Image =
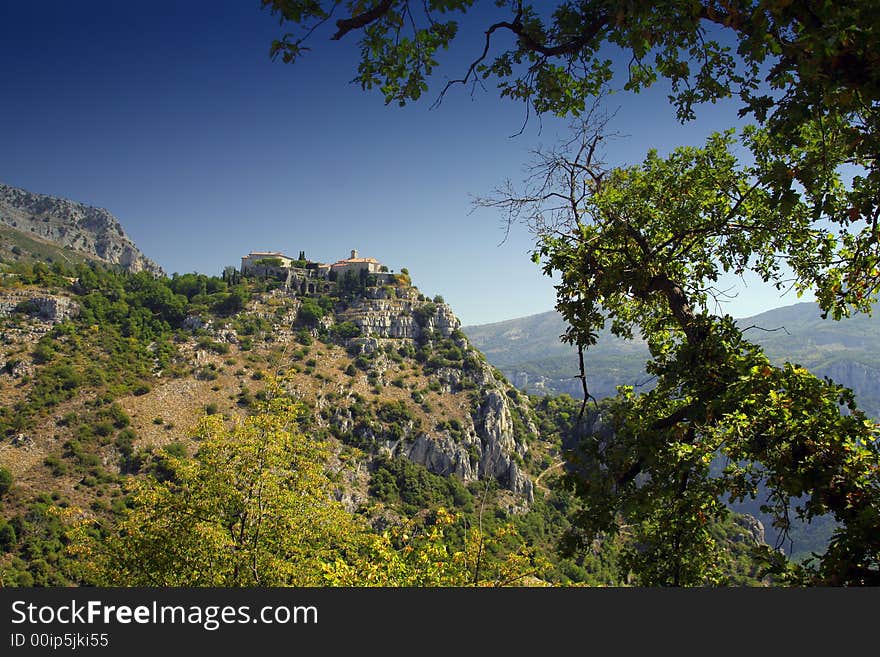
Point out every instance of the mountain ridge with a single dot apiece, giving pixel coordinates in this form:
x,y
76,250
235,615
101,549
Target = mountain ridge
x,y
83,229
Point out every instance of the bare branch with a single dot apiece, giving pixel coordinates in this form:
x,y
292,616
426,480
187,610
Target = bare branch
x,y
474,64
583,377
761,328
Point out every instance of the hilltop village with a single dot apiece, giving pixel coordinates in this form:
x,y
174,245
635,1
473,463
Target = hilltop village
x,y
309,277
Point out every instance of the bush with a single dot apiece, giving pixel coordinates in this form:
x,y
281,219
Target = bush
x,y
141,389
103,429
176,449
245,397
56,465
118,416
207,373
211,345
310,312
43,352
5,481
396,412
423,313
346,330
8,539
125,444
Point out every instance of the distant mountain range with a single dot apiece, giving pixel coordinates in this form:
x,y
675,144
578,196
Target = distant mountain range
x,y
529,352
46,228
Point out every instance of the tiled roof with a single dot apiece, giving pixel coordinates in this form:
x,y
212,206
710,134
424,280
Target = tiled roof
x,y
350,261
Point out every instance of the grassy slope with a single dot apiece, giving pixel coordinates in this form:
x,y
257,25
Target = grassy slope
x,y
17,246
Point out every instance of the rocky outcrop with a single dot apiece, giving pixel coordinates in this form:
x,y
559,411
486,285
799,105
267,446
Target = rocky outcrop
x,y
95,232
494,426
442,455
487,442
49,308
400,318
55,309
488,449
753,527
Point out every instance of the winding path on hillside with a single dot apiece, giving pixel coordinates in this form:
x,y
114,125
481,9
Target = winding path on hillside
x,y
555,466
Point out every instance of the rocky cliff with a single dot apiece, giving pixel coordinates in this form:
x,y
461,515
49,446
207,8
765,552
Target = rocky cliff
x,y
488,439
94,232
400,313
862,379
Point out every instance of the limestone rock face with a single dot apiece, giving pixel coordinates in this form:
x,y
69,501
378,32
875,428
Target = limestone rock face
x,y
400,318
495,428
56,309
442,455
92,231
49,308
490,444
487,449
753,526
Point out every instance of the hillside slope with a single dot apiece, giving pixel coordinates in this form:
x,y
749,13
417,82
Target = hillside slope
x,y
104,375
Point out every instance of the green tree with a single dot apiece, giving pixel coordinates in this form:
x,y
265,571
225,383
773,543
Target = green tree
x,y
254,507
409,555
231,275
233,301
641,248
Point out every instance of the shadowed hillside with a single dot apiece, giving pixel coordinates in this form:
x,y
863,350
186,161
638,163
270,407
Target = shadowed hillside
x,y
529,352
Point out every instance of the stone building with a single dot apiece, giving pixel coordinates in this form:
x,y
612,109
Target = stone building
x,y
264,262
355,265
312,277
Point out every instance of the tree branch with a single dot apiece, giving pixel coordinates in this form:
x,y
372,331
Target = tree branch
x,y
571,47
346,25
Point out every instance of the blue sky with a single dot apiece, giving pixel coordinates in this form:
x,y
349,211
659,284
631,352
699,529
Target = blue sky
x,y
172,116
